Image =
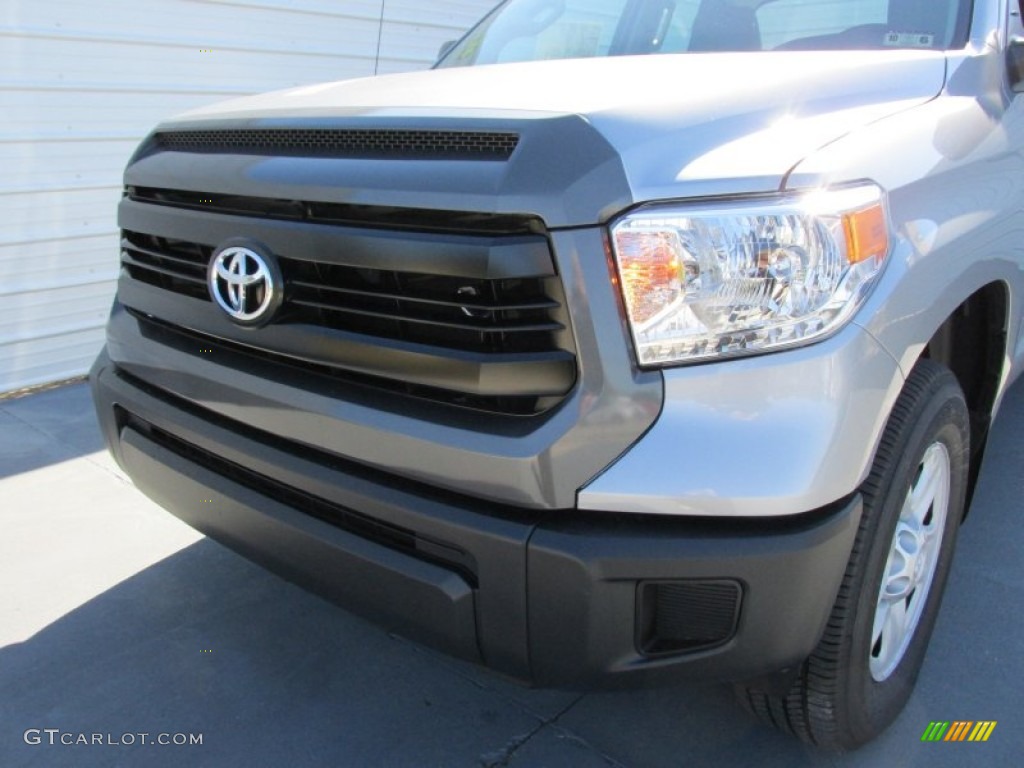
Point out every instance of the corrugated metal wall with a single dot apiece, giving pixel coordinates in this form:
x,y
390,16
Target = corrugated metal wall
x,y
81,82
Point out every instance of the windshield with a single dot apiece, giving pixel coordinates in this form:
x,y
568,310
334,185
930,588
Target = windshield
x,y
533,30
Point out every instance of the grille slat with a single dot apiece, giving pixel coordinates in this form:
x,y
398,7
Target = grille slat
x,y
128,261
535,328
158,258
134,251
524,397
341,142
546,304
364,216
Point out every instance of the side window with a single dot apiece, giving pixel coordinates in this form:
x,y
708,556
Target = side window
x,y
784,21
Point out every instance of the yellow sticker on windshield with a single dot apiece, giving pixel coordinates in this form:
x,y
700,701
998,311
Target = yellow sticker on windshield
x,y
569,40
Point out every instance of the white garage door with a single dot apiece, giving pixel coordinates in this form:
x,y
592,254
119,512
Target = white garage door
x,y
81,82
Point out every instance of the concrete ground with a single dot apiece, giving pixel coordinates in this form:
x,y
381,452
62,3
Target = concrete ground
x,y
117,620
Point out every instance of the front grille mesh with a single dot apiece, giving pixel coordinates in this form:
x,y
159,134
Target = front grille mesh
x,y
333,142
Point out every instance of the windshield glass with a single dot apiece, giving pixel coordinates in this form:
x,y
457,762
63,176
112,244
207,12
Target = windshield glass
x,y
533,30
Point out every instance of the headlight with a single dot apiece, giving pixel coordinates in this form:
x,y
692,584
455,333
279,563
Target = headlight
x,y
704,281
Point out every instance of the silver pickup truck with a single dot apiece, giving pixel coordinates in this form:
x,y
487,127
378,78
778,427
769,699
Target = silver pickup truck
x,y
637,341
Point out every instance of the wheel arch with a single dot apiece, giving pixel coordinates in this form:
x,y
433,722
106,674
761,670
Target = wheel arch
x,y
972,343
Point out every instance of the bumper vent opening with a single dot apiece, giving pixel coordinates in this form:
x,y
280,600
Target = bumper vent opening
x,y
686,616
391,536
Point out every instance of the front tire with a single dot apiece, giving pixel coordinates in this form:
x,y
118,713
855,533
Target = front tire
x,y
864,668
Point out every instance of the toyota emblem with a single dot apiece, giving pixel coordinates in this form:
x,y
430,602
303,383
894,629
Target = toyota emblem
x,y
245,284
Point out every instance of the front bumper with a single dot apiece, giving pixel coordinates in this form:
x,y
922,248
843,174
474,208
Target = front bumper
x,y
563,598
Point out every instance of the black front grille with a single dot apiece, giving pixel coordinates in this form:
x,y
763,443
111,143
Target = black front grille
x,y
502,316
474,318
340,142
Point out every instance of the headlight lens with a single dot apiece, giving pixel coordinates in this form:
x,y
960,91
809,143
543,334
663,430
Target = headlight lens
x,y
705,281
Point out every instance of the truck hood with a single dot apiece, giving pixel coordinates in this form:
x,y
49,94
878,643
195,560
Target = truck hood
x,y
679,125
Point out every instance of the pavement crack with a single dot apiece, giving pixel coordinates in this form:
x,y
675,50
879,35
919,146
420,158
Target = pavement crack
x,y
502,757
569,736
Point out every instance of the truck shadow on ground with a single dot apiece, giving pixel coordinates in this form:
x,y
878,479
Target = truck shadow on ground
x,y
205,643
